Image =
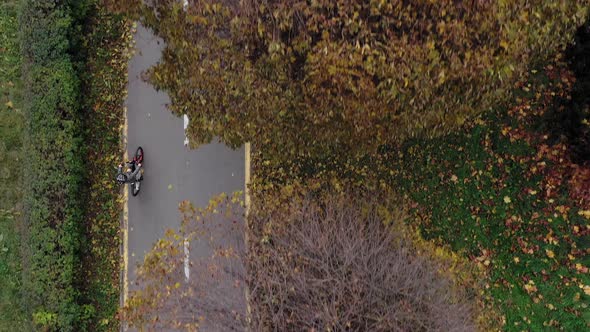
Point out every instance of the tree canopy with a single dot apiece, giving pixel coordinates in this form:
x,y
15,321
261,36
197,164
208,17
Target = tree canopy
x,y
301,77
339,262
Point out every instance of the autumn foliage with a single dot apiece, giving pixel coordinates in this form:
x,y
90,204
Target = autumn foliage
x,y
327,264
213,296
331,264
311,83
107,41
507,195
305,77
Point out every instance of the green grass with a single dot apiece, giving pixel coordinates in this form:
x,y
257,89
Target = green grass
x,y
478,192
475,191
12,316
11,117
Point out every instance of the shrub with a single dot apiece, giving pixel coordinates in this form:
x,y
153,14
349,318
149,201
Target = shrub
x,y
53,166
104,82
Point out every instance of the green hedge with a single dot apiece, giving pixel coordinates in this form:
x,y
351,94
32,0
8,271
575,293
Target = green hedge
x,y
53,168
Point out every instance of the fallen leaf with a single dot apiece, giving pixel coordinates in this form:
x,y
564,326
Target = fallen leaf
x,y
530,287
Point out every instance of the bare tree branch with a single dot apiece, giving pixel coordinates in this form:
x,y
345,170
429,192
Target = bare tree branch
x,y
328,264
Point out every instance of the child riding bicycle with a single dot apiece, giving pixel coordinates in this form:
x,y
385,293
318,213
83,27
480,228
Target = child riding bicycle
x,y
131,174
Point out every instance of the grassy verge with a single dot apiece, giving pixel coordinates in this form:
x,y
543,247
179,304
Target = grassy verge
x,y
106,77
503,194
12,316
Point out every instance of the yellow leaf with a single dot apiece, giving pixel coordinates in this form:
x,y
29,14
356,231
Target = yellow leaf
x,y
584,213
530,287
516,260
587,290
507,199
549,253
9,104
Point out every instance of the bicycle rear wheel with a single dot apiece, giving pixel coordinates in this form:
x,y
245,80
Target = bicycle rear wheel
x,y
135,188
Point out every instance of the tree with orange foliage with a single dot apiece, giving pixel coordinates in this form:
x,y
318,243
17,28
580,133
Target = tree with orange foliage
x,y
309,77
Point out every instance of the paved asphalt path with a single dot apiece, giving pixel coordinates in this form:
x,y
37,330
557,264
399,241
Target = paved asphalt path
x,y
173,173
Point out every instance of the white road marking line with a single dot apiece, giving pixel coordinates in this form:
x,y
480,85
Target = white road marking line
x,y
186,258
186,121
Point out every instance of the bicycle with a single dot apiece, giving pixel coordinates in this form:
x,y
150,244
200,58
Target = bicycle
x,y
133,180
